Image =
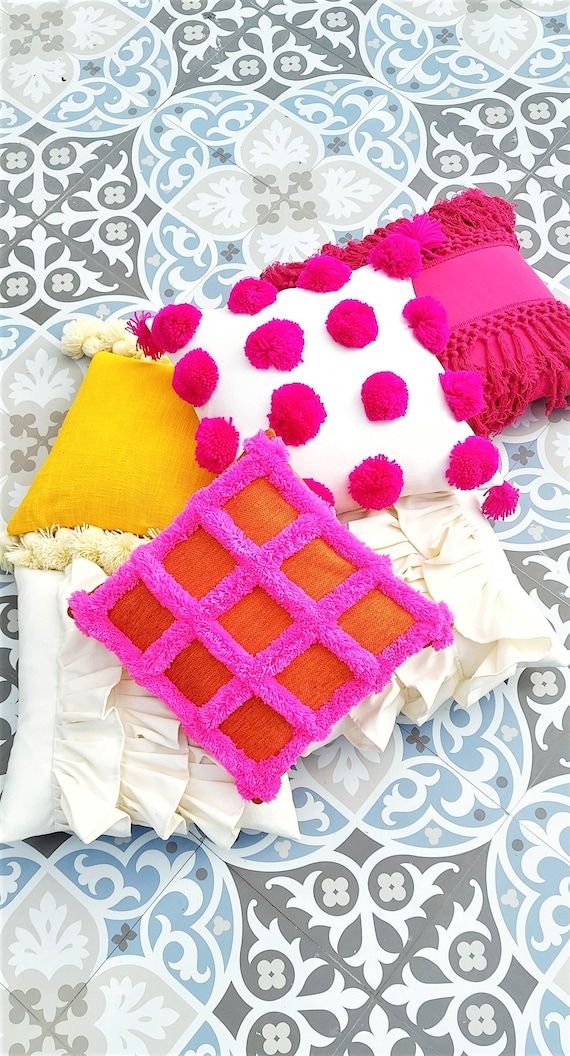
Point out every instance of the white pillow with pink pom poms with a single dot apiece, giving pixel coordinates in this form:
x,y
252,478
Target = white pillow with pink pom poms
x,y
342,367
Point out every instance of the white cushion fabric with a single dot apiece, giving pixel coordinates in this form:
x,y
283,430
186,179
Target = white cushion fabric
x,y
444,548
93,752
420,441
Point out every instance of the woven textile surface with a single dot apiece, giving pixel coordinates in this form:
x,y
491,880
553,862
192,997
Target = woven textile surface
x,y
258,618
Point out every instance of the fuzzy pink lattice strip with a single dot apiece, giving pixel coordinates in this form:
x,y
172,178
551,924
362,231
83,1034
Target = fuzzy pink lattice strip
x,y
259,619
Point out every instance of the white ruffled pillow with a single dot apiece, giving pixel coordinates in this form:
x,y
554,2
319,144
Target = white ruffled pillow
x,y
94,753
443,547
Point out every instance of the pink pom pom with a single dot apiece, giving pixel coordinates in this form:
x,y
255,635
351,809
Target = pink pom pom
x,y
398,256
195,377
250,296
472,462
145,340
278,343
464,393
500,501
296,413
174,325
323,274
428,233
384,397
428,320
376,483
217,442
320,489
352,324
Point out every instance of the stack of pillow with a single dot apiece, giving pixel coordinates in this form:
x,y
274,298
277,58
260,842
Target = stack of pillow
x,y
169,697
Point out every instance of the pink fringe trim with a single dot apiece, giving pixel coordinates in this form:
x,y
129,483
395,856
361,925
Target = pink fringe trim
x,y
522,352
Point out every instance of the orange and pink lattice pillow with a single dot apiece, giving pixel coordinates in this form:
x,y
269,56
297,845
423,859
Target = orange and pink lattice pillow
x,y
259,619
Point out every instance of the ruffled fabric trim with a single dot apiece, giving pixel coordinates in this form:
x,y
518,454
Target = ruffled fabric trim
x,y
89,740
121,757
443,547
55,548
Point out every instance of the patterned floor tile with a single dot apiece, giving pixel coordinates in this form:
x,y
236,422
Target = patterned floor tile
x,y
380,1030
383,843
211,967
190,201
474,49
483,961
46,270
63,915
492,140
555,166
21,1034
9,666
544,227
87,69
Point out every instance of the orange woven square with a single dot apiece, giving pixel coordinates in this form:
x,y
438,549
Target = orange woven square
x,y
258,618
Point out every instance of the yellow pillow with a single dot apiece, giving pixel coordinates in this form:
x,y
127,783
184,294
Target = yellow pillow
x,y
124,457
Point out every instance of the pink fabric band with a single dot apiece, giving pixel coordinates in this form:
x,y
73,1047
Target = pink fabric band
x,y
480,282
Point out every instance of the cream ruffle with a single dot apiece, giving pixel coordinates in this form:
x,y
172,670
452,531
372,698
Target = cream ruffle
x,y
444,548
121,756
55,548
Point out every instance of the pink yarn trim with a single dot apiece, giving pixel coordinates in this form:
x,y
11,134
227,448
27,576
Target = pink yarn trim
x,y
217,442
146,344
319,489
313,621
323,274
501,501
195,377
278,343
472,462
464,393
296,414
522,351
427,318
250,296
352,323
174,326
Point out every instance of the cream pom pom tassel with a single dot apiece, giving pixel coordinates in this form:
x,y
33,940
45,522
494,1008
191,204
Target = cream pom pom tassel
x,y
87,335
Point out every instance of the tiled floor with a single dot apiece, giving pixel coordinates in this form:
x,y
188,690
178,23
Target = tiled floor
x,y
159,146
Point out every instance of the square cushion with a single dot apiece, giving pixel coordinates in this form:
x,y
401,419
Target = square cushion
x,y
258,618
346,437
124,457
504,321
94,753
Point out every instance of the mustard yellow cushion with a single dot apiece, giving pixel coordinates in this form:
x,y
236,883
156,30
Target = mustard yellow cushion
x,y
124,457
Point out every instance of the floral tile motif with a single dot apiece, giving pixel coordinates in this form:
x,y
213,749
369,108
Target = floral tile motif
x,y
499,942
509,741
88,68
40,167
215,965
457,52
535,457
492,140
192,202
192,142
554,168
328,160
544,226
65,915
381,848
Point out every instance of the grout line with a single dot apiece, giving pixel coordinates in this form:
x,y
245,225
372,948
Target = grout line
x,y
134,924
340,1049
331,958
